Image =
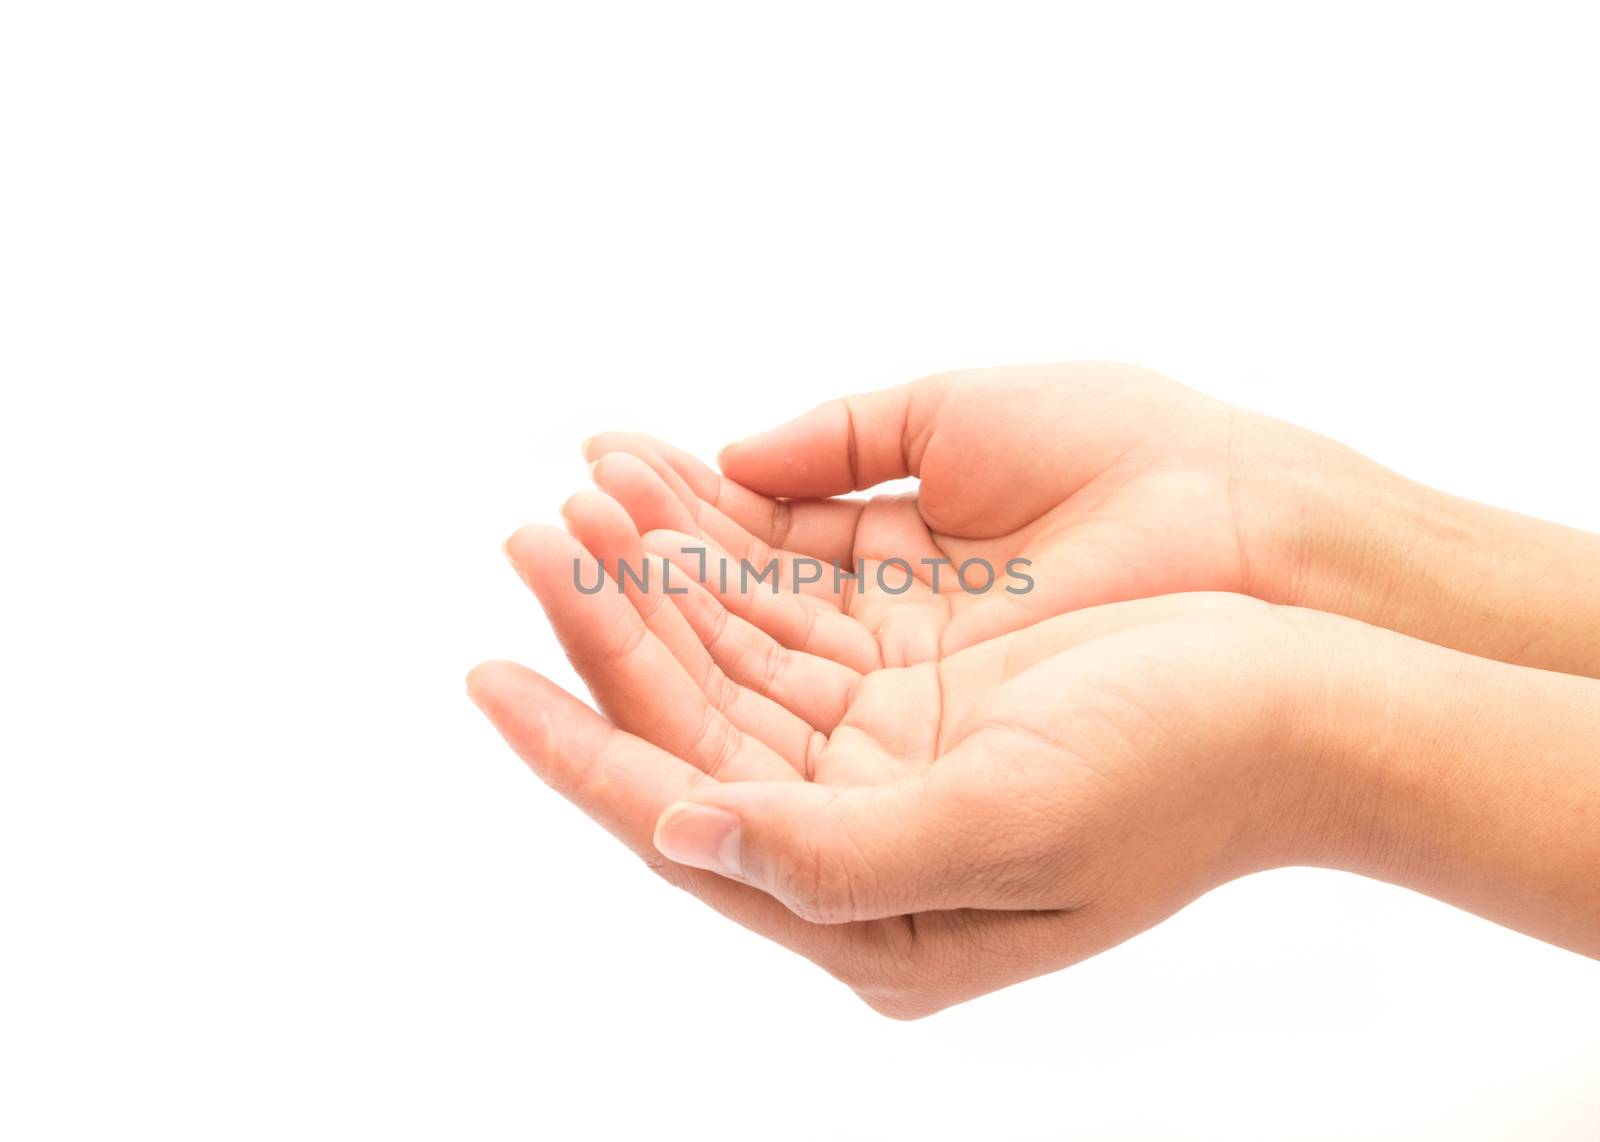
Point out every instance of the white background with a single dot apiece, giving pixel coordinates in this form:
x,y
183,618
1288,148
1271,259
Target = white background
x,y
307,305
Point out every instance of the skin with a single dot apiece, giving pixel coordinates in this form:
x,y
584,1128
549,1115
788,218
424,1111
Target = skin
x,y
932,826
1117,483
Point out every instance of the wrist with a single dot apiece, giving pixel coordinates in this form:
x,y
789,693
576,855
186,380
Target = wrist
x,y
1318,521
1321,712
1330,530
1318,709
1381,744
1468,780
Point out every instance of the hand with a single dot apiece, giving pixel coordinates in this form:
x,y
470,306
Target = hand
x,y
1022,804
962,828
1035,800
1114,483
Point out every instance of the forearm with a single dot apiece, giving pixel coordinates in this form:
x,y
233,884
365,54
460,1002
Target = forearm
x,y
1471,781
1344,535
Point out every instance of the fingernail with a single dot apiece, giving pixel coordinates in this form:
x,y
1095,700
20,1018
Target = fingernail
x,y
583,449
700,837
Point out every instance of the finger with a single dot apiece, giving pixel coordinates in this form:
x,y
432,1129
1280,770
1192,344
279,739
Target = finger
x,y
619,780
799,622
632,674
822,529
816,689
624,784
845,445
950,837
640,485
907,967
803,573
600,524
644,494
684,474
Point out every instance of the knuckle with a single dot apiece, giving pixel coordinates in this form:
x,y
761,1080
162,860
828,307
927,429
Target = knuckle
x,y
714,743
782,521
717,630
808,627
720,688
770,668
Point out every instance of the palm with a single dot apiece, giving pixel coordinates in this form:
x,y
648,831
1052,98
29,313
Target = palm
x,y
897,722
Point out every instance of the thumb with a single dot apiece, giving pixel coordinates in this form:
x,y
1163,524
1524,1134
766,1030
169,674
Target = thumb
x,y
845,445
861,853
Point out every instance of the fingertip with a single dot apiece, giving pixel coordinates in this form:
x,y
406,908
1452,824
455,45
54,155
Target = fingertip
x,y
604,528
512,547
534,539
590,503
475,683
518,703
622,475
601,444
750,459
487,678
808,456
542,556
729,455
645,494
518,548
615,463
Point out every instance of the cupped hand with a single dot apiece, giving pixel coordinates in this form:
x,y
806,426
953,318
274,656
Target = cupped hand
x,y
926,833
1071,485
